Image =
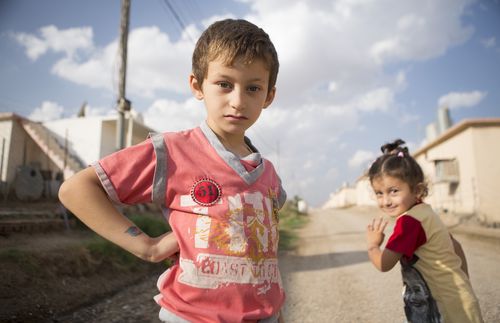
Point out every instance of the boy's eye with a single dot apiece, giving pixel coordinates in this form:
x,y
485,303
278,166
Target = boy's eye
x,y
224,85
394,191
253,88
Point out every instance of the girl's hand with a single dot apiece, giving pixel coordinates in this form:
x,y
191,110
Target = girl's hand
x,y
375,232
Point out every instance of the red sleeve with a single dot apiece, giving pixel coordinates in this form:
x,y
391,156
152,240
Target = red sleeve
x,y
127,175
407,237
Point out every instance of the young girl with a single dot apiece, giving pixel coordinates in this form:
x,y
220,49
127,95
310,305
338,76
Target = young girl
x,y
435,277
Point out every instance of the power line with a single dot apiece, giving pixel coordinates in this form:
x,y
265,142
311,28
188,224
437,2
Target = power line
x,y
178,19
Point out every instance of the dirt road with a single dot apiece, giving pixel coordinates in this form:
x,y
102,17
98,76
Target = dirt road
x,y
330,279
327,279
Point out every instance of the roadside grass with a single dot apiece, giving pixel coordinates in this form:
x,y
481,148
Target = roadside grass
x,y
290,221
103,249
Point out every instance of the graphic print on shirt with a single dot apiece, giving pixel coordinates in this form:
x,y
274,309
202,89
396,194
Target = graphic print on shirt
x,y
420,306
246,242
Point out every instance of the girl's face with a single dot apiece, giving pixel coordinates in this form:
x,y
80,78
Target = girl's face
x,y
394,196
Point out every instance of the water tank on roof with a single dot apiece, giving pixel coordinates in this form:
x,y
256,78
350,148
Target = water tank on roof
x,y
28,185
444,119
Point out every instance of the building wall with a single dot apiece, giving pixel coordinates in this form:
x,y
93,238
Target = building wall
x,y
478,159
6,130
457,198
344,197
364,193
108,139
83,136
134,133
21,153
93,137
487,161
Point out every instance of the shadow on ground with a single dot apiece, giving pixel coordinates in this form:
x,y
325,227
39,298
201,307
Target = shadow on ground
x,y
296,263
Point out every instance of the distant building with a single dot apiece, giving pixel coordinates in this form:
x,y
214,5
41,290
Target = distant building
x,y
463,169
462,166
360,194
343,197
36,157
364,192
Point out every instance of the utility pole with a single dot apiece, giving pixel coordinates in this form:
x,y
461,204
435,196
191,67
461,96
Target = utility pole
x,y
123,103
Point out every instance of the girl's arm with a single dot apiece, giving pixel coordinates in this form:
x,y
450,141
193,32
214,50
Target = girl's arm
x,y
382,260
85,197
460,252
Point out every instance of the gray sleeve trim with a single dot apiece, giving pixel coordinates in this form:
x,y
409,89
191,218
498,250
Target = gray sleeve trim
x,y
106,184
159,181
282,197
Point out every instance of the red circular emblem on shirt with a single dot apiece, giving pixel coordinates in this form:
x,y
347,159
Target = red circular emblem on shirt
x,y
206,192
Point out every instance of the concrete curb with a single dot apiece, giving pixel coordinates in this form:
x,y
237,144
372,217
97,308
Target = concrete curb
x,y
476,230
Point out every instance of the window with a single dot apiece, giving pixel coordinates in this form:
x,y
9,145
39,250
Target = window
x,y
447,170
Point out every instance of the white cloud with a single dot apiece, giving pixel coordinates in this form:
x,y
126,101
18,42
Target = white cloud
x,y
378,99
361,158
333,69
166,115
153,63
34,46
455,100
67,41
47,111
489,42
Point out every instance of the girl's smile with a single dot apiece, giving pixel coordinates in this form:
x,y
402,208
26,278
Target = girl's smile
x,y
394,196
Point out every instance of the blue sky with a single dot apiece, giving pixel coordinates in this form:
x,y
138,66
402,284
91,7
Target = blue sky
x,y
354,74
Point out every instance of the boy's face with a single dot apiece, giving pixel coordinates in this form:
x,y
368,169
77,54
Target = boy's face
x,y
234,95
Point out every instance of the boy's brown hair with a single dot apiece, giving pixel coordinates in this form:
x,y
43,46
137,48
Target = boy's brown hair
x,y
232,39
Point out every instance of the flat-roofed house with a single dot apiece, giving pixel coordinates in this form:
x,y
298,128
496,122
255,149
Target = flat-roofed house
x,y
462,166
36,156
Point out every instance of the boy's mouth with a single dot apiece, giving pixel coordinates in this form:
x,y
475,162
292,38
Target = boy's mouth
x,y
233,117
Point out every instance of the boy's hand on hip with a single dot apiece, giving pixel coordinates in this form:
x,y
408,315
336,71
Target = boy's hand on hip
x,y
163,247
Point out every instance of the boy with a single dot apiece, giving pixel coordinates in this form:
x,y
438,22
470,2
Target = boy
x,y
221,198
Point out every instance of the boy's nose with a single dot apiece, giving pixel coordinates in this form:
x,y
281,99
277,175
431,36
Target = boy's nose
x,y
236,100
387,201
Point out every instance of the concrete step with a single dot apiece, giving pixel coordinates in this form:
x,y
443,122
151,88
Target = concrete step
x,y
9,227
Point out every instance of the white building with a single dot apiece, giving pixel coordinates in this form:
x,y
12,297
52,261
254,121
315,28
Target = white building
x,y
36,157
462,166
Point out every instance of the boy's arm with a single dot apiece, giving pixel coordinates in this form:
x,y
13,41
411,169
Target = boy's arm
x,y
382,260
85,197
460,253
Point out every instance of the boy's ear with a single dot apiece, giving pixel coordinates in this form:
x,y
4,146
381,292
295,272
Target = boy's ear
x,y
195,87
270,97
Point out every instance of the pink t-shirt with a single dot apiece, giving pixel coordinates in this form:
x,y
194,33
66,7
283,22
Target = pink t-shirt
x,y
223,211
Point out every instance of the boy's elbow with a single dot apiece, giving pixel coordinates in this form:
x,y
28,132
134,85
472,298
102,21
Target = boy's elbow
x,y
63,192
66,193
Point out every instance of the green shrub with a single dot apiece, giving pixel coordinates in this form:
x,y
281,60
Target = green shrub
x,y
290,221
104,249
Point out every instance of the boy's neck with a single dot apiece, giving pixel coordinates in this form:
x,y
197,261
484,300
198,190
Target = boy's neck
x,y
237,146
234,143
